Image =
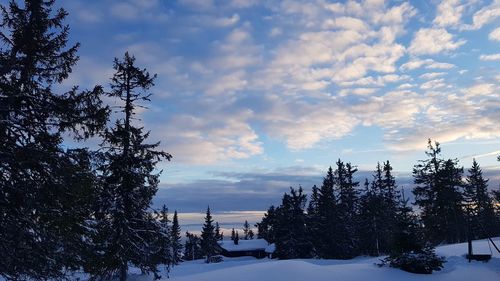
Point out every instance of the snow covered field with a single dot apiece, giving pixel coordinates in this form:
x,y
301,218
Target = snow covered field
x,y
456,268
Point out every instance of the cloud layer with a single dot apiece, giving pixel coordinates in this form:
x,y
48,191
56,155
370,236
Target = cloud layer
x,y
235,76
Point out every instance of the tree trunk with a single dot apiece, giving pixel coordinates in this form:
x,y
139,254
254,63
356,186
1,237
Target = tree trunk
x,y
123,273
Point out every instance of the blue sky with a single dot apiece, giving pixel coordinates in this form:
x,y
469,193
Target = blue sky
x,y
253,96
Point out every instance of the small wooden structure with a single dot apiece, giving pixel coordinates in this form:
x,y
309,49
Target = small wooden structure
x,y
254,248
477,257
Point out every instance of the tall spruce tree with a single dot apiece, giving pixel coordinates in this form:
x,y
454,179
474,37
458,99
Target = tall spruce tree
x,y
326,232
378,207
128,179
313,218
209,244
292,239
45,191
438,194
175,235
347,210
479,205
163,254
370,220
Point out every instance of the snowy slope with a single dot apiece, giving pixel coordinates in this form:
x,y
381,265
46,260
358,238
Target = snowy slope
x,y
248,269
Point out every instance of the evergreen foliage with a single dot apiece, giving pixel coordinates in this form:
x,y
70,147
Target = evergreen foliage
x,y
292,239
46,191
266,227
209,246
479,205
347,207
246,230
378,211
175,238
163,254
219,235
128,181
192,247
438,194
408,250
324,219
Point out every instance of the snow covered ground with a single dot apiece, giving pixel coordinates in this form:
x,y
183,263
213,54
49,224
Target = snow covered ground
x,y
456,268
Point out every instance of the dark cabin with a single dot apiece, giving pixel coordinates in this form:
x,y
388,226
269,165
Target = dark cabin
x,y
245,248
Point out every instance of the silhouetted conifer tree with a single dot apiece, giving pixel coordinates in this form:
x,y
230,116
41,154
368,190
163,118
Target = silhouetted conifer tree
x,y
438,194
292,239
479,205
128,179
176,240
192,247
45,191
209,245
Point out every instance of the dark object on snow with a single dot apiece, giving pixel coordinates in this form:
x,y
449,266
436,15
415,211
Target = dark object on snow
x,y
477,257
216,259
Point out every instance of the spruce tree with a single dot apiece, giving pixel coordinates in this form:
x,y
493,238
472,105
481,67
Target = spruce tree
x,y
292,239
209,244
218,234
438,194
175,238
233,235
265,228
45,191
164,253
313,219
246,230
370,220
236,238
346,187
326,233
409,251
192,247
128,179
479,205
378,211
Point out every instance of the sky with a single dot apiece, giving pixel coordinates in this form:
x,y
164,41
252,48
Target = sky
x,y
255,96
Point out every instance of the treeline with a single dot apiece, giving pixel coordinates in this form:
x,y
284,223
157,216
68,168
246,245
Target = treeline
x,y
66,209
343,218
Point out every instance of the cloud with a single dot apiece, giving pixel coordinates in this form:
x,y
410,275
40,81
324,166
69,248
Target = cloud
x,y
495,34
348,23
484,16
228,84
433,84
302,125
143,10
491,57
449,13
198,4
215,136
432,75
415,63
428,41
224,22
357,91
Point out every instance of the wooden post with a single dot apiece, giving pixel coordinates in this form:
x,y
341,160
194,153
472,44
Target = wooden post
x,y
469,244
